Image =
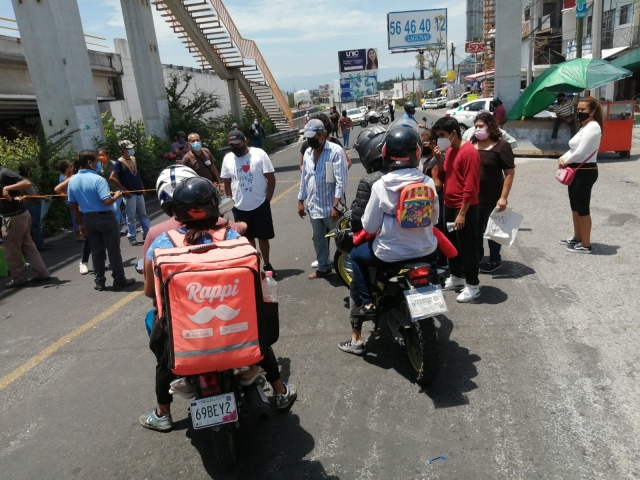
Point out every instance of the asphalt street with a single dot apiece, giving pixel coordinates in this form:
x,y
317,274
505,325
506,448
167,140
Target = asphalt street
x,y
539,377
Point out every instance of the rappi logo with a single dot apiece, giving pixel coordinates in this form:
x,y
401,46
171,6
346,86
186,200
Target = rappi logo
x,y
199,294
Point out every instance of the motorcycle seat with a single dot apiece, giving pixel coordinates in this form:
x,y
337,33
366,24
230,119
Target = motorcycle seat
x,y
384,274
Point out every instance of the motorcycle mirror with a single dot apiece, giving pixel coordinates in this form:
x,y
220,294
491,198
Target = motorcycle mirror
x,y
424,118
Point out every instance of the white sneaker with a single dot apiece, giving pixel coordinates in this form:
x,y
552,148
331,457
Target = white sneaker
x,y
314,264
124,230
469,293
453,283
84,268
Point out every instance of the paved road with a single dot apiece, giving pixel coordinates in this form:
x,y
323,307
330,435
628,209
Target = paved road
x,y
539,379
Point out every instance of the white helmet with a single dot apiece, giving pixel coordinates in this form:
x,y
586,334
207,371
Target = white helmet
x,y
167,181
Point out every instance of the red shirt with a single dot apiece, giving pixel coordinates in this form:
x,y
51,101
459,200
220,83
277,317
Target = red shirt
x,y
500,114
461,176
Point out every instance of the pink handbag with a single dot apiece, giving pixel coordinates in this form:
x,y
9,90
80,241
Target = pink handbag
x,y
566,175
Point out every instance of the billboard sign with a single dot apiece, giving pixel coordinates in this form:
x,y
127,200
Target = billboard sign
x,y
302,99
324,90
417,28
356,88
474,47
358,62
581,8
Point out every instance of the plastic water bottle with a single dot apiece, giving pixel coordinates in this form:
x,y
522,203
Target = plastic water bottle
x,y
269,288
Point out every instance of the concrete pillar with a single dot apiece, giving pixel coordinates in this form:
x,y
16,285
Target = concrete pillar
x,y
234,98
508,59
59,67
129,87
143,45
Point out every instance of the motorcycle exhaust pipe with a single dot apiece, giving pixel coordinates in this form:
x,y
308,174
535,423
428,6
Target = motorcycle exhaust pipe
x,y
258,402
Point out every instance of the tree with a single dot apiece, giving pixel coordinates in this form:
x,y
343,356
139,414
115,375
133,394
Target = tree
x,y
189,112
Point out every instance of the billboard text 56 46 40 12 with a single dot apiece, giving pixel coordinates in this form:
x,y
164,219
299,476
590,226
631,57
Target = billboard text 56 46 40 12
x,y
417,29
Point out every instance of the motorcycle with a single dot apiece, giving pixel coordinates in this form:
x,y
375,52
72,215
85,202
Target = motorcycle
x,y
410,299
374,117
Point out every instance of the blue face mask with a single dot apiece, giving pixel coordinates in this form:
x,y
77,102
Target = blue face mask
x,y
256,123
196,146
132,151
181,139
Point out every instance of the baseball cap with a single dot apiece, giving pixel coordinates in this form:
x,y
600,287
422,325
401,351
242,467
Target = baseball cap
x,y
125,144
312,128
235,136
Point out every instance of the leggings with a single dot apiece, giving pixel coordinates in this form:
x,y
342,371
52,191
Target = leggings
x,y
580,189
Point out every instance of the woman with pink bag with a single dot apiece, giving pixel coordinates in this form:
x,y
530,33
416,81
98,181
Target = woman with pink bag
x,y
582,159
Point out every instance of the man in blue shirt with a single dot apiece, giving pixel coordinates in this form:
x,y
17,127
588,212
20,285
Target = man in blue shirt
x,y
92,205
410,111
322,186
126,176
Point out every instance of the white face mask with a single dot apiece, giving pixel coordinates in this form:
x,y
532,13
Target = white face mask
x,y
444,143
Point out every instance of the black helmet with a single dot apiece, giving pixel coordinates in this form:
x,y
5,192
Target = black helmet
x,y
344,241
195,199
369,148
410,108
180,134
402,148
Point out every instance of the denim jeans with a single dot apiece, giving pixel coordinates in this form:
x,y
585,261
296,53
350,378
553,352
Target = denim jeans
x,y
362,257
36,223
116,208
103,232
320,228
345,135
494,247
74,223
135,207
257,142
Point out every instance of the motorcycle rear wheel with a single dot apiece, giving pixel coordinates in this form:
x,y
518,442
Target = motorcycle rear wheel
x,y
225,444
384,120
342,264
422,350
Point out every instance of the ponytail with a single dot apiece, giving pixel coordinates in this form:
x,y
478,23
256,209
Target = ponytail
x,y
595,107
199,231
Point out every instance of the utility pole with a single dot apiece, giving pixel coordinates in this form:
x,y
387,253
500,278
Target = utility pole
x,y
453,51
532,47
421,53
579,36
596,49
413,89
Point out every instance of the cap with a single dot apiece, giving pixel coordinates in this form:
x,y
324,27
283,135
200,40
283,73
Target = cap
x,y
235,136
234,126
312,128
125,144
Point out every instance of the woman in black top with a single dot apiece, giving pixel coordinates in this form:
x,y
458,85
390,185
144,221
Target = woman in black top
x,y
497,170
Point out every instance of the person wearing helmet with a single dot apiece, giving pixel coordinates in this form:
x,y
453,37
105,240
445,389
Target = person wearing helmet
x,y
181,147
394,245
194,203
410,111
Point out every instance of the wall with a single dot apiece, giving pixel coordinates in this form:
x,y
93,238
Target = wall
x,y
207,81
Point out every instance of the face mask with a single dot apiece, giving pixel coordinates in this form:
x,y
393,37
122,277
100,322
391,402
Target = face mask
x,y
239,151
583,116
132,151
314,143
443,144
256,122
181,139
103,159
481,134
196,146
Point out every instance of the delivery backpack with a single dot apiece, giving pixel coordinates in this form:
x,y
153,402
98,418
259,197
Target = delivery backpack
x,y
210,304
415,208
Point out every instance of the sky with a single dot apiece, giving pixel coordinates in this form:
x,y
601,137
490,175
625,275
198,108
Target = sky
x,y
298,40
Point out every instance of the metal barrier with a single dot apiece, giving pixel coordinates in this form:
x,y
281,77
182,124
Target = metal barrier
x,y
287,137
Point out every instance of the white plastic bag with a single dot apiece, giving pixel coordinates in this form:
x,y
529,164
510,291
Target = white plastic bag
x,y
503,226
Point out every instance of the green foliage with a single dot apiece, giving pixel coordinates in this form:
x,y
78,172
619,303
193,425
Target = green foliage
x,y
189,112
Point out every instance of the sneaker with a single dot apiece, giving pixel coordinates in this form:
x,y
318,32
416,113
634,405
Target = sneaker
x,y
569,241
152,421
469,293
133,242
453,283
357,348
364,311
127,283
489,267
144,236
268,268
100,287
314,264
123,230
84,268
285,400
182,388
579,248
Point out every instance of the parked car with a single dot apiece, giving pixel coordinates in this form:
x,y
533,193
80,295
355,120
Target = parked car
x,y
466,114
434,103
356,115
456,102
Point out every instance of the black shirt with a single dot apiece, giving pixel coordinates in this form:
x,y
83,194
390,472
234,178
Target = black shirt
x,y
7,178
492,165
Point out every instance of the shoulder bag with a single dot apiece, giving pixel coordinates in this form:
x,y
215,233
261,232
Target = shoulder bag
x,y
566,175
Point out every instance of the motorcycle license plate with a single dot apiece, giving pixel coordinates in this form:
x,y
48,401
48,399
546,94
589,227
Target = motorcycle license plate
x,y
425,302
211,411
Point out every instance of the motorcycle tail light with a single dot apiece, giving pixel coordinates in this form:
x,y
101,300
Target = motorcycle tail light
x,y
209,383
447,114
419,276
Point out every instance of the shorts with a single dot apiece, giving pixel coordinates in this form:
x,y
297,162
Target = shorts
x,y
580,189
259,221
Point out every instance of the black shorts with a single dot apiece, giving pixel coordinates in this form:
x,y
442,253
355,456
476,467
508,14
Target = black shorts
x,y
580,189
259,221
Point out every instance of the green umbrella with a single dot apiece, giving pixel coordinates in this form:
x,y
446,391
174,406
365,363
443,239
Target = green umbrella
x,y
573,76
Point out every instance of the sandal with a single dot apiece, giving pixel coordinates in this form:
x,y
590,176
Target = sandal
x,y
245,382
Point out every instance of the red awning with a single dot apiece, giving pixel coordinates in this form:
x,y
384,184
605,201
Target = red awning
x,y
479,75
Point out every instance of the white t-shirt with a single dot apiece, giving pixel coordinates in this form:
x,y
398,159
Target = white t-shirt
x,y
248,183
583,144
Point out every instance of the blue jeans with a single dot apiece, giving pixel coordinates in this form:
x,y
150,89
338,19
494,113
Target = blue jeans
x,y
320,227
36,223
74,223
116,208
345,135
494,247
362,257
135,207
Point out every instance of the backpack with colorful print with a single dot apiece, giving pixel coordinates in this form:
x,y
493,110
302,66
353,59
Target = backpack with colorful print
x,y
415,208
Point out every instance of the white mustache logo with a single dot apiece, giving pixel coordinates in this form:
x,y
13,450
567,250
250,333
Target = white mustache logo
x,y
207,314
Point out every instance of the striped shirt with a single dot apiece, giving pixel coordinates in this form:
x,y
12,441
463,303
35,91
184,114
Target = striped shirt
x,y
563,109
319,194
